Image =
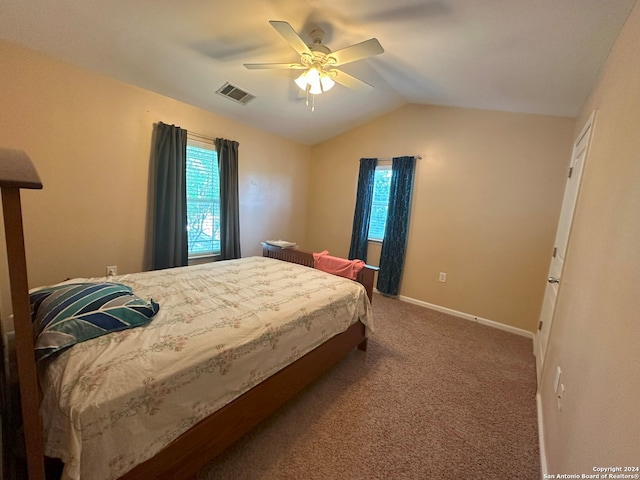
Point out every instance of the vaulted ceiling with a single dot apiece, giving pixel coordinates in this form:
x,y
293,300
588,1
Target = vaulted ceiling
x,y
539,56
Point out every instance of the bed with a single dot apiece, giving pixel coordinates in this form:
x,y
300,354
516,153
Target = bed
x,y
276,324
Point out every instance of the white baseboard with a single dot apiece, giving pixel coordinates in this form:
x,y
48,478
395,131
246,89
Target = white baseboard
x,y
543,454
467,316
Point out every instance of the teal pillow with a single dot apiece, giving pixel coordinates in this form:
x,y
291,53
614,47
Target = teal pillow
x,y
64,315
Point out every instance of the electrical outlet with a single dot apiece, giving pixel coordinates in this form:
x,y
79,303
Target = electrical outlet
x,y
443,277
112,270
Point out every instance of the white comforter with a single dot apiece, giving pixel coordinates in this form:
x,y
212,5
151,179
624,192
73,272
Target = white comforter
x,y
112,402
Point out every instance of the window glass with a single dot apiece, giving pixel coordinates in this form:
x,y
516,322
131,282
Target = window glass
x,y
203,200
380,203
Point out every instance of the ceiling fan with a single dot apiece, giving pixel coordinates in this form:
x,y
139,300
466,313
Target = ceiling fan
x,y
319,62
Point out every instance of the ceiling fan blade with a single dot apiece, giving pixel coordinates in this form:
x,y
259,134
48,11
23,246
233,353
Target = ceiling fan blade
x,y
285,66
290,36
350,81
358,51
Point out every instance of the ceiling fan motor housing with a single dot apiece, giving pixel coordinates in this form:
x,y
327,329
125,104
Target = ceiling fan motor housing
x,y
319,48
316,35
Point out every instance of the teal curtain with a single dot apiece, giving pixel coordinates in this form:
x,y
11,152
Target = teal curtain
x,y
229,199
169,245
362,213
395,235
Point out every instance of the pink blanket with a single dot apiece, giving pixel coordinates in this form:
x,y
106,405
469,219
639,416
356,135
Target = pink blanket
x,y
336,265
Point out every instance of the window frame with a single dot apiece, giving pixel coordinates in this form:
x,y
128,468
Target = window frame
x,y
203,143
384,165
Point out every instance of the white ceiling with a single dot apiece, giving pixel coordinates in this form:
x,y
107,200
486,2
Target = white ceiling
x,y
533,56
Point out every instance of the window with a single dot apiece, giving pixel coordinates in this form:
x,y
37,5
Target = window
x,y
380,203
203,199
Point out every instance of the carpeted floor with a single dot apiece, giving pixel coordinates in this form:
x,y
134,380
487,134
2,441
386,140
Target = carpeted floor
x,y
434,397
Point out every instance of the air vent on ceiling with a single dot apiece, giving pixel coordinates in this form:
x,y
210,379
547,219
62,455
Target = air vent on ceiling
x,y
236,94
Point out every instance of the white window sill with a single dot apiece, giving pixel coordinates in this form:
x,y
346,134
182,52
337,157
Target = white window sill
x,y
203,259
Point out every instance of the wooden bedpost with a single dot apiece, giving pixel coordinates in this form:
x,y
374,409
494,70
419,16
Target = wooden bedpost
x,y
16,172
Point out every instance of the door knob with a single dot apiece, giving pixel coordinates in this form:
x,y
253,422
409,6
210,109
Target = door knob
x,y
553,280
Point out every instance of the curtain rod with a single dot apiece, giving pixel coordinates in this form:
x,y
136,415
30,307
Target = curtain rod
x,y
199,135
417,157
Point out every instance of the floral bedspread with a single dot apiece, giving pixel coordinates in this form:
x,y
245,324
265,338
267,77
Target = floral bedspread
x,y
115,401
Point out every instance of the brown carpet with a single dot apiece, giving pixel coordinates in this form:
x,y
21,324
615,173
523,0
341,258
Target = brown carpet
x,y
434,397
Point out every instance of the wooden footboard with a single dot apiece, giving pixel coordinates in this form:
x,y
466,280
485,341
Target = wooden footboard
x,y
293,255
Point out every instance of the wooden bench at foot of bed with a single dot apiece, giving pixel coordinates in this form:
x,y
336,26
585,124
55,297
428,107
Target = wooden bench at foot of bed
x,y
293,255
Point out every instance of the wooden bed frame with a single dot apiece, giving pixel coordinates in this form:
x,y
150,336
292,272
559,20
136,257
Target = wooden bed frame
x,y
187,454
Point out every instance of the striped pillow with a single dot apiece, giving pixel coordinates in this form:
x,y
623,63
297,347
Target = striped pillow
x,y
64,315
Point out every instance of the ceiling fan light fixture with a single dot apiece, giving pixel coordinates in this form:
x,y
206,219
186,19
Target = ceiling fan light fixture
x,y
315,88
327,82
310,80
314,81
301,81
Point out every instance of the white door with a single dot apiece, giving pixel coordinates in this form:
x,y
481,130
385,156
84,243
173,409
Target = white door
x,y
578,157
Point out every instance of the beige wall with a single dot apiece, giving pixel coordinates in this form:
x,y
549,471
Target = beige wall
x,y
486,201
90,138
595,336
